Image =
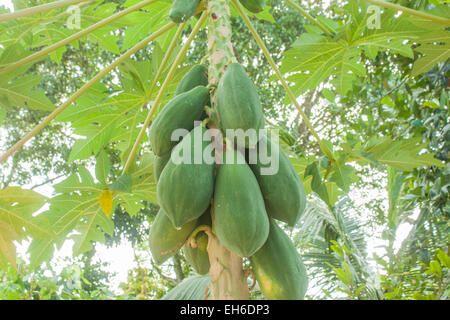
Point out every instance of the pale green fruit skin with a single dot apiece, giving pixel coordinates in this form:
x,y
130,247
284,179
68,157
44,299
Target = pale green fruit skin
x,y
278,268
240,218
283,192
238,104
179,113
184,190
165,240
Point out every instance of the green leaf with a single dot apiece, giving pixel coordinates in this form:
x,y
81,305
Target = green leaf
x,y
191,288
40,251
89,231
75,210
433,54
313,59
144,186
329,95
343,175
102,167
400,154
80,182
333,193
2,115
435,269
19,93
395,183
17,206
317,184
431,104
122,184
7,247
443,258
265,14
18,220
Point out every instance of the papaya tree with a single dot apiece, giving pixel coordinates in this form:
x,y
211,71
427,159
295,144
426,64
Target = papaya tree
x,y
147,99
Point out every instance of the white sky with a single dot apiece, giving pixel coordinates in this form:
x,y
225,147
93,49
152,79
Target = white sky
x,y
6,3
121,258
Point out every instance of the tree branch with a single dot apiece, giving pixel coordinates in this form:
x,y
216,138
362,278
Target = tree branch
x,y
38,9
83,89
74,37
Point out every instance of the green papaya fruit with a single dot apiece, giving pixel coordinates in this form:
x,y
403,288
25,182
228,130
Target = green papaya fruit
x,y
179,113
254,6
185,188
281,187
278,268
158,165
198,257
196,76
165,240
238,105
182,10
240,218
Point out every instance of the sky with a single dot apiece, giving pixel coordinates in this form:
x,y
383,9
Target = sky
x,y
121,258
6,3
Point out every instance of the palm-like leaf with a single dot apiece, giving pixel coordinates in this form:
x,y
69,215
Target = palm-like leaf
x,y
315,234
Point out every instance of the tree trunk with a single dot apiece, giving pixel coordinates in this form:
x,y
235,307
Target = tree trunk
x,y
226,272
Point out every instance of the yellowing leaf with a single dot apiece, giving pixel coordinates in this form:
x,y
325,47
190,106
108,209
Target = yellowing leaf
x,y
7,247
106,200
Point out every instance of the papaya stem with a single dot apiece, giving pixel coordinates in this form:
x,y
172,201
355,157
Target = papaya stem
x,y
83,89
38,9
314,21
412,12
280,76
161,67
163,88
202,228
310,18
74,37
166,58
226,272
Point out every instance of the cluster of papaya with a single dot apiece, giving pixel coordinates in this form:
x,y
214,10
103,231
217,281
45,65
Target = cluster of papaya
x,y
245,201
182,10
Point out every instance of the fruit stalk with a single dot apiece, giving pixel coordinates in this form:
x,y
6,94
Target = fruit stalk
x,y
228,281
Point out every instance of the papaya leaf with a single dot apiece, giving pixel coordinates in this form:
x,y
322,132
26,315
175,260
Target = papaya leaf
x,y
404,155
7,247
191,288
105,200
433,53
144,186
102,167
122,184
315,58
89,230
40,250
75,210
20,93
2,115
18,220
17,207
